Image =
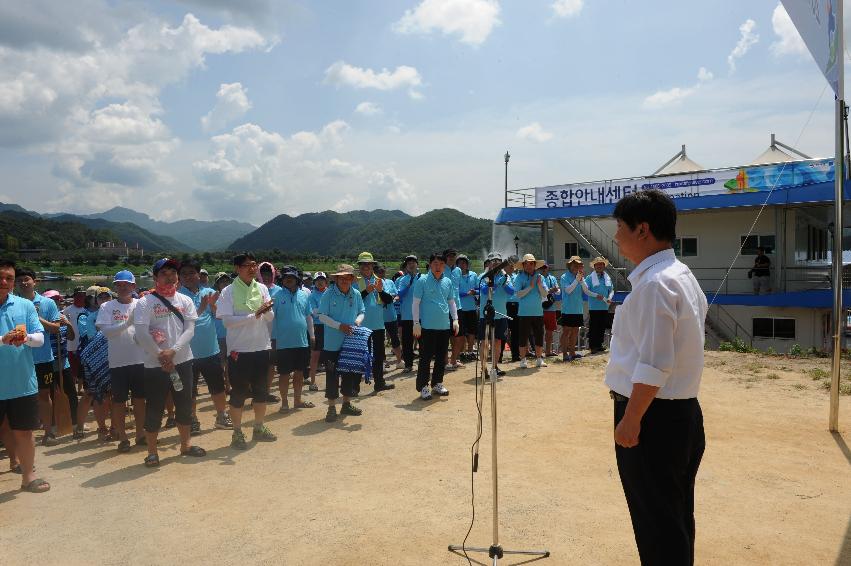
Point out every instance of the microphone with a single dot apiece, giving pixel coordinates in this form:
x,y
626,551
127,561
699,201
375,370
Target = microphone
x,y
494,271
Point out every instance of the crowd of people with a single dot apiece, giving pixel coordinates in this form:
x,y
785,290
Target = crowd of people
x,y
236,331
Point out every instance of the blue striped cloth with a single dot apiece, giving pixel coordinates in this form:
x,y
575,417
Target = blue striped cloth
x,y
356,353
95,362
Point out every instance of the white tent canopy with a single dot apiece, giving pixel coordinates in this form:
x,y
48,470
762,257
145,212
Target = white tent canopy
x,y
679,163
776,155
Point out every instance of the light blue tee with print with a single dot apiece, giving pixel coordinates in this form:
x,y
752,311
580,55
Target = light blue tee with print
x,y
17,363
290,323
205,341
342,307
434,295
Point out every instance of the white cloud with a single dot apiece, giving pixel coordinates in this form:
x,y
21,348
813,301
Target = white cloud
x,y
342,74
472,20
534,132
789,41
251,172
747,39
664,98
567,8
368,109
95,109
231,103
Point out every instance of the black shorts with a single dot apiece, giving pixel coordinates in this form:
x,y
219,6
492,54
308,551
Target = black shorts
x,y
213,372
572,320
273,354
44,373
319,336
500,329
293,359
469,323
531,325
22,412
248,372
126,378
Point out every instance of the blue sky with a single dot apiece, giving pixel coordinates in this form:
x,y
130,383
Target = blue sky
x,y
217,109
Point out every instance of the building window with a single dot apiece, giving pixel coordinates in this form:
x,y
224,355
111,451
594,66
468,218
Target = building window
x,y
572,248
686,246
816,244
774,328
754,241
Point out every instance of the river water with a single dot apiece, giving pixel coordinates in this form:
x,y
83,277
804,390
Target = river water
x,y
67,287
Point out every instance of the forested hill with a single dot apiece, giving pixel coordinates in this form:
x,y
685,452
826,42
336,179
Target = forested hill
x,y
21,230
382,232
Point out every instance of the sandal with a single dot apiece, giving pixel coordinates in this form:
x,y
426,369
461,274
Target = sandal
x,y
152,461
124,446
313,387
305,405
195,451
18,470
36,486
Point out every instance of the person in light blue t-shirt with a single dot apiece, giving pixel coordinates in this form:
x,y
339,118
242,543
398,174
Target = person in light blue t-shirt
x,y
572,307
49,317
391,322
22,333
206,352
404,287
320,286
531,291
435,321
601,291
266,274
294,332
502,291
468,291
341,308
453,272
375,298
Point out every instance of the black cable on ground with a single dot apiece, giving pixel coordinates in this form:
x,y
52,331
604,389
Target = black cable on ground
x,y
479,398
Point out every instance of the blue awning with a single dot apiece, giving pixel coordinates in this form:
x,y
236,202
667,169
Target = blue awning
x,y
815,193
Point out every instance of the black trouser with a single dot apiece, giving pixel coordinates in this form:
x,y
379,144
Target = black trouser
x,y
514,329
596,328
70,389
157,386
434,344
408,342
658,479
378,356
392,329
336,382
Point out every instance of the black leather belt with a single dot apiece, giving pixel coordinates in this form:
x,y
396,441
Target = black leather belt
x,y
618,397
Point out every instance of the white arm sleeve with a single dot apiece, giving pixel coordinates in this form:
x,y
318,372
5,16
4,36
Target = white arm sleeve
x,y
415,310
310,326
453,310
186,336
328,321
35,340
145,340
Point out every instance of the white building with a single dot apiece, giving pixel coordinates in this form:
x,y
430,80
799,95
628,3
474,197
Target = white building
x,y
785,206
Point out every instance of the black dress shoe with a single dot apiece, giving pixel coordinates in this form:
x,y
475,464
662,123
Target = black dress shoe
x,y
384,387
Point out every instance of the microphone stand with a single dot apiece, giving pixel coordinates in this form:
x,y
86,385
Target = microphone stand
x,y
495,550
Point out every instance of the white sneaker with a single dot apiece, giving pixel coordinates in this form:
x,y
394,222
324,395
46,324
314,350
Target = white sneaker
x,y
425,394
400,364
541,363
523,364
439,389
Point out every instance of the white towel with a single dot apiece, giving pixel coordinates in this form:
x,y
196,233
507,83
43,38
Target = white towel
x,y
596,280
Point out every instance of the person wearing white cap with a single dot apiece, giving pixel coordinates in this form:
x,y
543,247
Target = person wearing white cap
x,y
531,292
204,278
600,293
126,360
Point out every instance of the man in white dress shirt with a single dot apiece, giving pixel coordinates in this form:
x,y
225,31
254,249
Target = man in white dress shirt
x,y
654,376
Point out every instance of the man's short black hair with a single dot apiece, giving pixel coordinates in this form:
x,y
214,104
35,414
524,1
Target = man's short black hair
x,y
24,272
437,255
192,263
240,258
761,249
7,263
654,207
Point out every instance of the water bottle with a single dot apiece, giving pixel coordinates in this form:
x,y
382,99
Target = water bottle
x,y
175,381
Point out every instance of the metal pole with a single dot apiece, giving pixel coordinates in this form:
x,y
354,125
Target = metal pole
x,y
839,180
494,469
507,157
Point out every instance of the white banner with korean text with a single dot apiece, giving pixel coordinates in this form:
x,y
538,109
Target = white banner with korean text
x,y
705,183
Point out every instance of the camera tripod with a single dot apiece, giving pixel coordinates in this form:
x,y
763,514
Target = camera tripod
x,y
495,550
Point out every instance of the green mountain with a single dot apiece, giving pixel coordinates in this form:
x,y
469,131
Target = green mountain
x,y
126,232
385,233
20,230
196,234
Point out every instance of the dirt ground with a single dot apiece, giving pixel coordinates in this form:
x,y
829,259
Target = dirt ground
x,y
393,486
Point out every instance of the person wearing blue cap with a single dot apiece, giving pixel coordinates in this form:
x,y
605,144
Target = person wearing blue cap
x,y
126,368
21,332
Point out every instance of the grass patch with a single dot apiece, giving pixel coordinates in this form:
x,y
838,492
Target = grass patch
x,y
817,374
799,386
772,376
